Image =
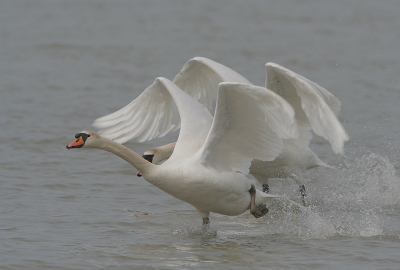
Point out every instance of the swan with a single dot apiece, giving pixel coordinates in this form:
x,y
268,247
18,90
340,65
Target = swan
x,y
315,109
210,162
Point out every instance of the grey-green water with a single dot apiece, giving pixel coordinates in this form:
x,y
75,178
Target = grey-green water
x,y
65,63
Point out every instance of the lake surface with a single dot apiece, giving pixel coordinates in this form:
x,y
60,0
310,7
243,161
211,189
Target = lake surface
x,y
65,63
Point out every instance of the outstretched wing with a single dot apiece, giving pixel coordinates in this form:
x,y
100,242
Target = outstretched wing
x,y
153,114
315,107
200,77
196,121
249,122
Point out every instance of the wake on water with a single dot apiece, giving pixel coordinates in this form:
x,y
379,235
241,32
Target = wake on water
x,y
359,199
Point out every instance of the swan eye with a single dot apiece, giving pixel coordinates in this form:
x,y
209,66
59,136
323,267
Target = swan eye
x,y
83,135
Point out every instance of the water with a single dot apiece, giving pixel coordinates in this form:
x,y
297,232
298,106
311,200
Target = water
x,y
65,63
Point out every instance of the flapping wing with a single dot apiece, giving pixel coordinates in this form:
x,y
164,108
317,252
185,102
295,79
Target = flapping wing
x,y
200,77
249,122
196,121
315,107
151,115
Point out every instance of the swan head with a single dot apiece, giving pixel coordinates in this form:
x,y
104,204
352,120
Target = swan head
x,y
149,156
83,139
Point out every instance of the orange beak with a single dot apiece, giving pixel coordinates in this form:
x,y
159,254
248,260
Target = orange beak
x,y
79,142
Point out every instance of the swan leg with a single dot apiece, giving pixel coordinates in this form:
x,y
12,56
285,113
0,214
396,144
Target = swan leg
x,y
303,194
206,226
206,222
302,188
259,210
265,188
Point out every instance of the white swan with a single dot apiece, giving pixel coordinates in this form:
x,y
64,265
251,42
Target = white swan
x,y
210,173
315,109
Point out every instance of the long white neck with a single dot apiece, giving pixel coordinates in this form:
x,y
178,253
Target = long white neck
x,y
125,153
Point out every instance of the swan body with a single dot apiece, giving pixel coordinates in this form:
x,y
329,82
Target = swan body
x,y
315,109
290,161
187,178
249,122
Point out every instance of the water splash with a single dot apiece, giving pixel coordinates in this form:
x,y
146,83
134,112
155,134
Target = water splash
x,y
355,200
369,182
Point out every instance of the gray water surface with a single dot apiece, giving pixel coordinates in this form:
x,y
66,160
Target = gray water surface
x,y
65,63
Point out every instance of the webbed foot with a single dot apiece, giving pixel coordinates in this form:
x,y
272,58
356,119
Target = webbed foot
x,y
261,210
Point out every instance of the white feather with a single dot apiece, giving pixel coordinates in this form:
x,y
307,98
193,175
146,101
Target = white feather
x,y
249,122
153,114
316,108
